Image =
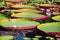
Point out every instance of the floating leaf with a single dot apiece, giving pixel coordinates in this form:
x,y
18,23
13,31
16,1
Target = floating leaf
x,y
6,37
2,17
19,23
22,6
27,15
57,18
50,27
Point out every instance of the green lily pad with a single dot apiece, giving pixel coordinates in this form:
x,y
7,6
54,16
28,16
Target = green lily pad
x,y
35,38
57,18
39,0
22,6
26,38
47,5
50,27
19,23
27,15
6,37
2,17
25,10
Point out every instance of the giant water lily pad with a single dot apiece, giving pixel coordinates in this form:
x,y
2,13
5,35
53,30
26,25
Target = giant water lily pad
x,y
27,15
6,37
22,6
47,5
57,18
19,24
39,0
50,27
30,15
3,18
25,10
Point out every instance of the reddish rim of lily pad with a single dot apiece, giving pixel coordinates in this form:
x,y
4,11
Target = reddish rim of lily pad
x,y
47,7
21,28
40,18
54,33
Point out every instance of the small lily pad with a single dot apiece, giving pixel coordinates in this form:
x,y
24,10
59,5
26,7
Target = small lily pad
x,y
57,18
6,37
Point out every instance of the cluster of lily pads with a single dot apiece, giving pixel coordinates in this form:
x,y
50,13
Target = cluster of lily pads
x,y
25,15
